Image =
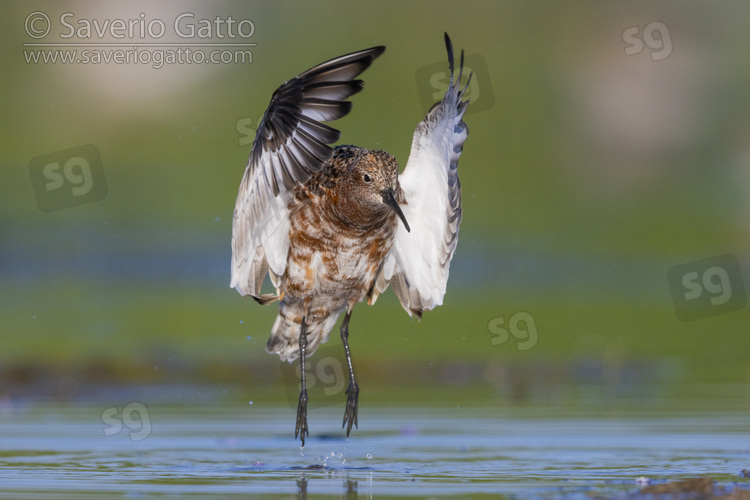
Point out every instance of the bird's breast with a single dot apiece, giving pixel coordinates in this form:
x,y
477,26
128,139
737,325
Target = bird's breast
x,y
329,258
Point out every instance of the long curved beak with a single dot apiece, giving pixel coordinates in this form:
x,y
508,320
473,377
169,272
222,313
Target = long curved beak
x,y
390,200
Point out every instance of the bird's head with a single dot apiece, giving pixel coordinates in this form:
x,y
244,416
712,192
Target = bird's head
x,y
369,188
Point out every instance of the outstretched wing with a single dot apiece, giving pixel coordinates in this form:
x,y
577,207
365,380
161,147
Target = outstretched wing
x,y
290,145
417,265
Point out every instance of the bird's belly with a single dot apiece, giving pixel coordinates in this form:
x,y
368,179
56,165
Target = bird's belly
x,y
334,273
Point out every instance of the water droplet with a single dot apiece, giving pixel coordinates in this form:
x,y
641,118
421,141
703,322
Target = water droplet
x,y
369,457
251,402
249,337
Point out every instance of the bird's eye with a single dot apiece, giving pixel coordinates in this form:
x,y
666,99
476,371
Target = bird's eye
x,y
366,178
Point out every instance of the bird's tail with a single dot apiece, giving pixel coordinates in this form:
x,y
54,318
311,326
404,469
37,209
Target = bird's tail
x,y
284,339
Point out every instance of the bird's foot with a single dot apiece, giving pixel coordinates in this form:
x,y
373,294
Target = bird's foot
x,y
350,414
301,427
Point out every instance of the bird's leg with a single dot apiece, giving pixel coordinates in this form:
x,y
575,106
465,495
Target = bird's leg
x,y
352,392
301,428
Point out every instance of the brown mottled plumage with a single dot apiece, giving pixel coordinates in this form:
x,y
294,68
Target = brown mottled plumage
x,y
341,231
330,227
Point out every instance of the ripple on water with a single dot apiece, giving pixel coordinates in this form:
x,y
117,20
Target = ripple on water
x,y
63,453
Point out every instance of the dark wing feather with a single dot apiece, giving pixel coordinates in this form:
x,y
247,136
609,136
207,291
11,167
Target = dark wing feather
x,y
290,145
317,95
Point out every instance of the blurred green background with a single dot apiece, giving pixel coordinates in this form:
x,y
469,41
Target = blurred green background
x,y
608,143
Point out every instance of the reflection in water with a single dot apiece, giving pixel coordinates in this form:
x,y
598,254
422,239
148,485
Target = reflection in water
x,y
302,487
350,488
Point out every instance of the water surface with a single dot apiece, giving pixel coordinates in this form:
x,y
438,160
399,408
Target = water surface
x,y
58,452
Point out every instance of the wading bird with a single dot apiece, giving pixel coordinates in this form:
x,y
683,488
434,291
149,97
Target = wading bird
x,y
334,226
